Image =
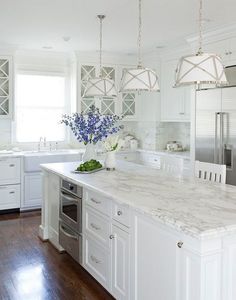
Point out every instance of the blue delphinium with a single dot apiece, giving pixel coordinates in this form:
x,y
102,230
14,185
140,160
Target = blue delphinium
x,y
92,126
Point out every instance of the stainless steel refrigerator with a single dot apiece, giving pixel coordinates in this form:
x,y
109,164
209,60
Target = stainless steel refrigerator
x,y
216,128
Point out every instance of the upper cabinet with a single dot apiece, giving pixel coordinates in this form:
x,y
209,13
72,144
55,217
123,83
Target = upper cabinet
x,y
175,102
124,104
226,48
5,86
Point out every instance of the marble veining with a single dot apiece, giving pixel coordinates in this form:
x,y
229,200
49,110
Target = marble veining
x,y
197,208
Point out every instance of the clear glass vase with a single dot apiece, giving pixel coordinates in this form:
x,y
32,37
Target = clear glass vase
x,y
90,152
110,160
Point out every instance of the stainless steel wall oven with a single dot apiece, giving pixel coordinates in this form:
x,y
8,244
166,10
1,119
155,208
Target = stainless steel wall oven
x,y
70,224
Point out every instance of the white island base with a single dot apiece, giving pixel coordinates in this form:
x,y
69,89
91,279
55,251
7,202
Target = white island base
x,y
136,247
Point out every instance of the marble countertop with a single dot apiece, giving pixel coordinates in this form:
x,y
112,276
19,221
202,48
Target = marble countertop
x,y
197,208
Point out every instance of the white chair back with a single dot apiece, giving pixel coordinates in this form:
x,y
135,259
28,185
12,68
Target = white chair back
x,y
172,165
210,172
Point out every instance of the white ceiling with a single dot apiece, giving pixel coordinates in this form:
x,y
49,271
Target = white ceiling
x,y
38,23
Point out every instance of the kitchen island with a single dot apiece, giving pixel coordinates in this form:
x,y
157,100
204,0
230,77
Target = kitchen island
x,y
148,235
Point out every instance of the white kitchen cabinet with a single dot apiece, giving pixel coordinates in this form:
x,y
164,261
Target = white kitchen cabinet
x,y
225,48
106,243
32,191
89,71
128,156
97,261
9,196
6,75
120,263
124,104
154,261
175,102
149,159
10,170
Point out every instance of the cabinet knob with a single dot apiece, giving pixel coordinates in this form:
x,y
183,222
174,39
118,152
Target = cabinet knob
x,y
119,213
111,237
180,244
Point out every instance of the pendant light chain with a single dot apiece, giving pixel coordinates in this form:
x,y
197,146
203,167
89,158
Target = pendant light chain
x,y
200,27
101,17
140,35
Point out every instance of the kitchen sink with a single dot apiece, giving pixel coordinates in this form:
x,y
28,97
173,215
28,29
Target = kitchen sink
x,y
33,159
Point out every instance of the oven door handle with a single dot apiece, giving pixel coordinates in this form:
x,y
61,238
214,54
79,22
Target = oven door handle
x,y
69,198
63,229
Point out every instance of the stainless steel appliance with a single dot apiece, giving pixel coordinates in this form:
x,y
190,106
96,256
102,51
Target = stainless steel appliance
x,y
70,224
216,129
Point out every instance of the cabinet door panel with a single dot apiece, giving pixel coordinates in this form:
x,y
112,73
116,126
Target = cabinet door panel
x,y
120,263
155,264
97,261
174,101
33,191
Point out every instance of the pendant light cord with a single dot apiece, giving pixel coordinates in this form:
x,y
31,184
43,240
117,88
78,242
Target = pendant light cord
x,y
140,35
200,27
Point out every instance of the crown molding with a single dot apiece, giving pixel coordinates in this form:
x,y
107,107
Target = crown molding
x,y
214,35
108,57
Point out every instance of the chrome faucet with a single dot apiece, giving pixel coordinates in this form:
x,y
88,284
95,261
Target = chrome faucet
x,y
44,142
39,143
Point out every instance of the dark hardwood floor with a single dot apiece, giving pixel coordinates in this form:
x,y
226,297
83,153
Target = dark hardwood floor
x,y
32,269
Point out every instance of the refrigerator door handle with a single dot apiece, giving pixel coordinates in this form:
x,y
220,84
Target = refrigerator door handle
x,y
221,151
216,138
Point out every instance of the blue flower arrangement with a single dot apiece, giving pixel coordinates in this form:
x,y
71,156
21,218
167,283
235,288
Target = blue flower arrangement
x,y
92,127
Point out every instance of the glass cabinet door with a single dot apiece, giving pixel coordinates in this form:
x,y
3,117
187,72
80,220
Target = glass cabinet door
x,y
4,87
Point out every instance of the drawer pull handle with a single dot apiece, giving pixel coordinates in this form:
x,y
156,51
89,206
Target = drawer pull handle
x,y
180,244
95,201
93,258
12,192
111,237
11,165
94,226
119,213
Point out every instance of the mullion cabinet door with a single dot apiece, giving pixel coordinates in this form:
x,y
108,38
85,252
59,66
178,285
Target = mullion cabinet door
x,y
128,103
87,72
5,86
106,105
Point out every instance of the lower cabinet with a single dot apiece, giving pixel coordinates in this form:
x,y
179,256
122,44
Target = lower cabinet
x,y
97,261
32,191
9,196
106,247
154,261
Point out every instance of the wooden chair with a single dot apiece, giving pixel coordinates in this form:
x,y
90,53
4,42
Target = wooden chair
x,y
210,172
172,165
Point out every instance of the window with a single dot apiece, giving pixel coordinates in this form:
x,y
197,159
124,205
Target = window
x,y
40,103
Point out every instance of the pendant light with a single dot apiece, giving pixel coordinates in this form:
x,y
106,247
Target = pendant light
x,y
140,78
201,68
100,86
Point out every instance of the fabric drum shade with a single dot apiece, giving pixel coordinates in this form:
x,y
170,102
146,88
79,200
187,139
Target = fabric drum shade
x,y
200,68
100,87
140,79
